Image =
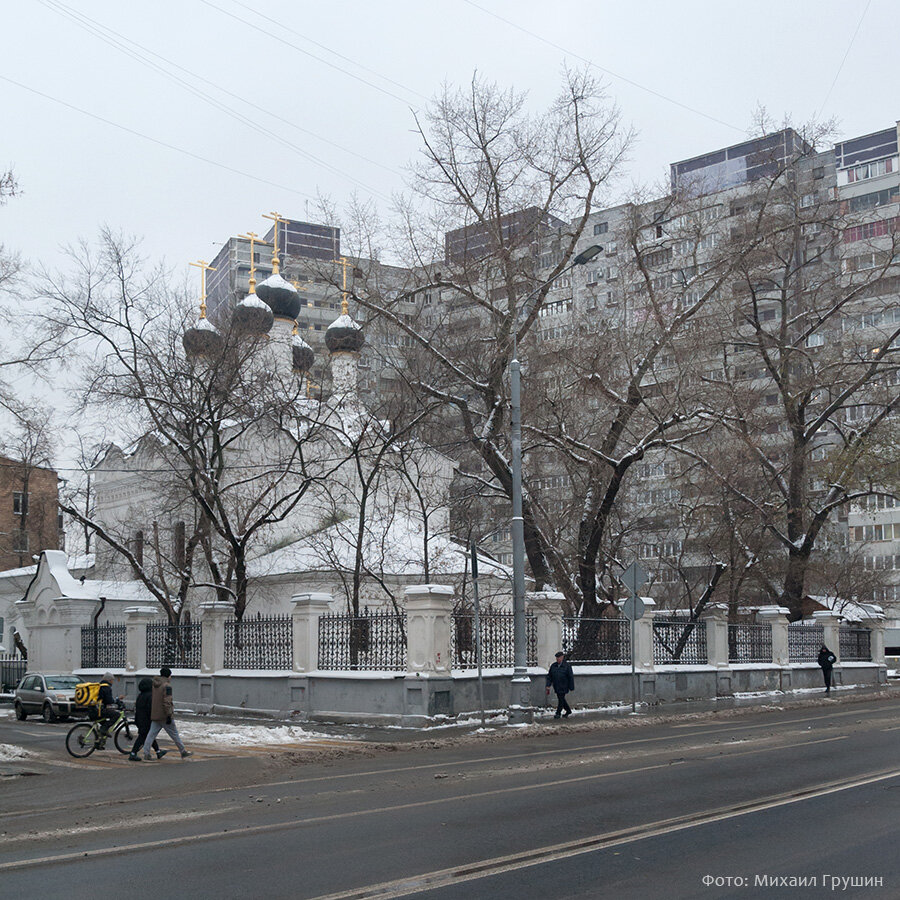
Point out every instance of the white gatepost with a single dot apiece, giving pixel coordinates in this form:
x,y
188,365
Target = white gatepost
x,y
643,637
213,614
715,615
876,640
546,607
429,609
137,618
307,609
831,626
777,618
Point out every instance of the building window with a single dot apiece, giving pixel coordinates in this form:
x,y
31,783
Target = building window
x,y
815,340
870,170
601,228
20,503
20,542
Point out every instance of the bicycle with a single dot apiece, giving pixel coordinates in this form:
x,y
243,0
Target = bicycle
x,y
85,737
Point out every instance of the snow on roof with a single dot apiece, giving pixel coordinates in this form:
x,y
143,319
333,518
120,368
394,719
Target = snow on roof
x,y
81,563
344,321
850,610
398,550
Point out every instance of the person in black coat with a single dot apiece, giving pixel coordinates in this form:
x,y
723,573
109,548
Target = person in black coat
x,y
142,720
827,660
562,679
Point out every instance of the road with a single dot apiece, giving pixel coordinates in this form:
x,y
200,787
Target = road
x,y
747,803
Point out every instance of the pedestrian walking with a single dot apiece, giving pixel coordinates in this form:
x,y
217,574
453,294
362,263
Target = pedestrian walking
x,y
162,711
562,679
827,660
142,708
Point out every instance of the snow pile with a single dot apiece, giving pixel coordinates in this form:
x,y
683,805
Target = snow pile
x,y
227,733
10,752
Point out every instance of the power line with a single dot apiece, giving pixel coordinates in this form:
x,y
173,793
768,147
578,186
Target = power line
x,y
282,40
846,54
147,137
606,71
97,29
304,37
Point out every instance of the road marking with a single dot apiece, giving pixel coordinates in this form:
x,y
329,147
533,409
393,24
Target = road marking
x,y
403,887
450,764
333,817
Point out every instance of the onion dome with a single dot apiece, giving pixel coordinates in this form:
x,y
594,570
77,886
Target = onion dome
x,y
281,296
344,334
203,339
302,353
252,316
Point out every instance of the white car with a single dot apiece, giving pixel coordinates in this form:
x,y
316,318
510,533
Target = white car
x,y
48,695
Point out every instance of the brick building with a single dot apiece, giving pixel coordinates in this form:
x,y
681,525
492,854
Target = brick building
x,y
29,512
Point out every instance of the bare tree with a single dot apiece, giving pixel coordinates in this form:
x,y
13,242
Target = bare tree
x,y
229,432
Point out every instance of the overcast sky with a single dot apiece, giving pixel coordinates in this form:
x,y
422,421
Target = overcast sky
x,y
322,96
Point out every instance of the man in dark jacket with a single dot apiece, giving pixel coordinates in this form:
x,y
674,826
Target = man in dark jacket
x,y
562,679
142,720
827,660
162,709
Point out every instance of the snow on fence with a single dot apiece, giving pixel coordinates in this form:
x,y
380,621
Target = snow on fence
x,y
104,646
374,641
749,643
260,642
176,646
597,641
497,639
804,641
855,644
679,642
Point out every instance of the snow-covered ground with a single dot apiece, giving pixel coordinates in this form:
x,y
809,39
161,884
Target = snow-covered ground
x,y
225,734
12,751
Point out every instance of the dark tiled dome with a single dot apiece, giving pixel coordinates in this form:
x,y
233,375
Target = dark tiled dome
x,y
281,296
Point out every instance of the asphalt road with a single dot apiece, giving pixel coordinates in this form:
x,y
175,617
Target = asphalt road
x,y
747,803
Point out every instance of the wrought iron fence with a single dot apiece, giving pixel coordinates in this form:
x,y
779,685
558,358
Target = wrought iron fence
x,y
12,670
749,643
373,641
263,642
177,646
597,641
855,644
497,640
679,642
104,646
804,642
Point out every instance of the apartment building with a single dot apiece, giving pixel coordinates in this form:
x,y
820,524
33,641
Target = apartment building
x,y
30,520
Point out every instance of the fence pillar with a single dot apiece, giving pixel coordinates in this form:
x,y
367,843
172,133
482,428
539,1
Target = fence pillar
x,y
777,618
307,608
213,614
429,609
831,627
643,637
546,607
716,617
137,618
876,641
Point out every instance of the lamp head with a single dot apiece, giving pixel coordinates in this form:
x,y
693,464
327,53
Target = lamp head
x,y
587,255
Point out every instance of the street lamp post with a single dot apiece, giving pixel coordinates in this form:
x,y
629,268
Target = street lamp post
x,y
520,709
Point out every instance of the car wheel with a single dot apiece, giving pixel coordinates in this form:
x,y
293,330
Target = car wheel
x,y
48,714
21,715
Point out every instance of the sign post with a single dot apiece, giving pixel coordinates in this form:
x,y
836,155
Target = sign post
x,y
634,577
477,624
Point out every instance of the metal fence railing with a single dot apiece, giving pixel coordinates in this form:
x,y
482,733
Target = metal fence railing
x,y
260,642
371,641
497,640
597,641
12,670
855,643
749,643
804,642
679,642
176,646
104,646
